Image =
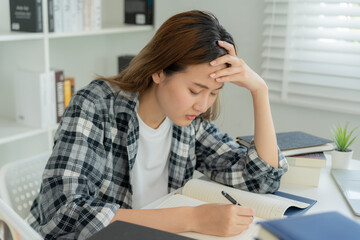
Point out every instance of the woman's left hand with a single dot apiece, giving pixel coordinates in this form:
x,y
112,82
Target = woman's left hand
x,y
238,71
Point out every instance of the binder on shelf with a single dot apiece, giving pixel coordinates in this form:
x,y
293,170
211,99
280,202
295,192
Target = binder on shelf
x,y
26,15
30,98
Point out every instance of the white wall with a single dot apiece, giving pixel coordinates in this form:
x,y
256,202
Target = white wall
x,y
243,19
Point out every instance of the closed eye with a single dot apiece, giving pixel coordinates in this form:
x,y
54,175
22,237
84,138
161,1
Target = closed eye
x,y
193,92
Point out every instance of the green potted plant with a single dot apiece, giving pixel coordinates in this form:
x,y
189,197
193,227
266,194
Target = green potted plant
x,y
343,138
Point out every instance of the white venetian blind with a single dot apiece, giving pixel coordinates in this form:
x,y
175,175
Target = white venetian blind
x,y
311,53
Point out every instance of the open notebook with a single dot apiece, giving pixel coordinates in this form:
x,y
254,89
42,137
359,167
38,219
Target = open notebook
x,y
267,206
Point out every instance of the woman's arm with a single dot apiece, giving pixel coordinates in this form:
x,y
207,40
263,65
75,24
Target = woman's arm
x,y
264,132
242,75
211,219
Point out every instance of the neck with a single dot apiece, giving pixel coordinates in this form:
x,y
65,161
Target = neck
x,y
149,110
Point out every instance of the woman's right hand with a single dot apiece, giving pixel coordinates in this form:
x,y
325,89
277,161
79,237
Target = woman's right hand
x,y
222,219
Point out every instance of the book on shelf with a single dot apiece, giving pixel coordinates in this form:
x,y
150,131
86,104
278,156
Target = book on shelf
x,y
125,230
60,104
51,15
295,143
13,227
67,91
74,15
26,15
326,225
30,88
267,206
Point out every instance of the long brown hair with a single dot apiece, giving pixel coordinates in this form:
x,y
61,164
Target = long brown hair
x,y
184,39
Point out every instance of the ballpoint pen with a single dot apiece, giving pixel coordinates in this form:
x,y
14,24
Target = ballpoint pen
x,y
228,197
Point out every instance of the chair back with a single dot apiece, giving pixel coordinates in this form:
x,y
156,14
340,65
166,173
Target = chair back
x,y
20,182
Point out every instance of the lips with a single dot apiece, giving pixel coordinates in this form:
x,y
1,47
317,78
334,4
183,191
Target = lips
x,y
191,117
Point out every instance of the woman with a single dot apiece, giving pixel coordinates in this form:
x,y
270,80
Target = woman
x,y
127,140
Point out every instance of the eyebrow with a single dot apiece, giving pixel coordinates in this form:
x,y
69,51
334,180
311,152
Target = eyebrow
x,y
206,87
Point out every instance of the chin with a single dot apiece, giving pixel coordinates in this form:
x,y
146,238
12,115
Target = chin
x,y
181,123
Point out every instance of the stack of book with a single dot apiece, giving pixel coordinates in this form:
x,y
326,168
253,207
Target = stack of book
x,y
304,153
31,105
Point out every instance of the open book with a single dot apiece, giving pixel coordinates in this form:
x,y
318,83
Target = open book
x,y
13,227
267,206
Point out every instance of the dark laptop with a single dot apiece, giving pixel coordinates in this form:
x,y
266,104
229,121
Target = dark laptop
x,y
349,183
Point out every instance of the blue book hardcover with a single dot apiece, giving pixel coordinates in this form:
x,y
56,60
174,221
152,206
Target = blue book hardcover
x,y
327,225
292,211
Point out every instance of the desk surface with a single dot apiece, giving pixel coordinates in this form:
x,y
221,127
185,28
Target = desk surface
x,y
327,193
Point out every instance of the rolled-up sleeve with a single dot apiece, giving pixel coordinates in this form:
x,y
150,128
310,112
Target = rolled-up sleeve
x,y
223,160
71,201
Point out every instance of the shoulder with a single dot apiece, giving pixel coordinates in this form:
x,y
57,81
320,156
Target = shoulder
x,y
96,90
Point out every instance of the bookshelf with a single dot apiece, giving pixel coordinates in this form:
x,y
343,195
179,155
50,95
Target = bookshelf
x,y
81,54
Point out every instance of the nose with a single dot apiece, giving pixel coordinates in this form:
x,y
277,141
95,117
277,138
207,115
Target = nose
x,y
202,104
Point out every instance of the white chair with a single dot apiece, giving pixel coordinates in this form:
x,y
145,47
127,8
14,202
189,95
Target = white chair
x,y
20,182
19,228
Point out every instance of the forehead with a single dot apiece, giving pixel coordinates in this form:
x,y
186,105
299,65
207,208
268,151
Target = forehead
x,y
200,73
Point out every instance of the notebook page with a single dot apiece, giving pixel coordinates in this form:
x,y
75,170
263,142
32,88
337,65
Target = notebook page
x,y
179,200
267,206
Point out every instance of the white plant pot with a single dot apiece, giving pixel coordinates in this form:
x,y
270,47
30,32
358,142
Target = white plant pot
x,y
341,160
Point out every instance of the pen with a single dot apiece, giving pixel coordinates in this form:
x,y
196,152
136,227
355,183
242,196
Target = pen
x,y
228,197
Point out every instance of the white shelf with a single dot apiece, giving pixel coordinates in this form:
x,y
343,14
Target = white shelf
x,y
113,30
17,36
12,131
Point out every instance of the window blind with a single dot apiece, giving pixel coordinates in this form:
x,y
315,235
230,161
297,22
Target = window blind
x,y
311,53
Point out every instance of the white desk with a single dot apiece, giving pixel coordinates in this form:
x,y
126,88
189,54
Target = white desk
x,y
327,194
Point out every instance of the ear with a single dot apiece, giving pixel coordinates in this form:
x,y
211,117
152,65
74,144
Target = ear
x,y
158,76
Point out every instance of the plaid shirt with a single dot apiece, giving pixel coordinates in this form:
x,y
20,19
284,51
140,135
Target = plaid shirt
x,y
87,177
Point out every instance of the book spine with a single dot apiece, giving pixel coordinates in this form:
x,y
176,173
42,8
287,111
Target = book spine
x,y
43,103
67,23
87,14
58,12
59,79
150,12
51,15
52,89
72,80
79,15
67,91
96,14
39,16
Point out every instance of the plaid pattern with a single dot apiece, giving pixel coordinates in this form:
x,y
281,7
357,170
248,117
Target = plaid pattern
x,y
87,177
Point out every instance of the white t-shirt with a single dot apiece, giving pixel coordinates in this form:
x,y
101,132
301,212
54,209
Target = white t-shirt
x,y
149,178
